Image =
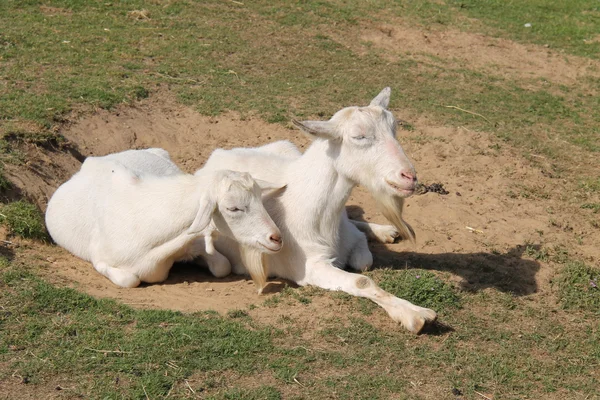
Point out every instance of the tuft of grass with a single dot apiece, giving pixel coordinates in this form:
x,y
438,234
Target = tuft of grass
x,y
595,207
590,185
261,393
43,139
579,287
420,287
5,184
237,314
24,219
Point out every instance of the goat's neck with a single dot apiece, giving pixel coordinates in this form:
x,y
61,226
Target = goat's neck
x,y
317,181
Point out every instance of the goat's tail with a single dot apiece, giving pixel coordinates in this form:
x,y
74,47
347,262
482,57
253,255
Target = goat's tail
x,y
255,262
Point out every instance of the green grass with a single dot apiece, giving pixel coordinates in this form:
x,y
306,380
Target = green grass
x,y
23,219
595,207
52,334
419,287
569,25
579,287
262,393
72,333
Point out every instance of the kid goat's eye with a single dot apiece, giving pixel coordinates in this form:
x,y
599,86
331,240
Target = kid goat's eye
x,y
234,209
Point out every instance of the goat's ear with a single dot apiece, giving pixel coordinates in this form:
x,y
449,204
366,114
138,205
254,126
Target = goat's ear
x,y
321,129
382,99
206,208
269,189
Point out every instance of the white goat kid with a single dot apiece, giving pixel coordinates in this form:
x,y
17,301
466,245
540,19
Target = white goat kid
x,y
356,146
133,225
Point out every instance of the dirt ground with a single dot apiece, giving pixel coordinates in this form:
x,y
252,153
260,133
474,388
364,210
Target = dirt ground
x,y
498,203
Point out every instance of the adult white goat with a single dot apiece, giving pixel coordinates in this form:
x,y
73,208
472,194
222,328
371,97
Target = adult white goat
x,y
133,214
356,146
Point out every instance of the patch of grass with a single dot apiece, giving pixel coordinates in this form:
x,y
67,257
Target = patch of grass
x,y
590,185
579,287
420,287
5,184
24,219
40,139
537,253
261,393
72,333
570,25
595,207
237,314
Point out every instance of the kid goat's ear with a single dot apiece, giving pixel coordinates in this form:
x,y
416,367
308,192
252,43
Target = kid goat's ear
x,y
206,208
321,129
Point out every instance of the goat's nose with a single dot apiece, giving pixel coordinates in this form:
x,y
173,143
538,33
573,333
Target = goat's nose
x,y
276,238
408,175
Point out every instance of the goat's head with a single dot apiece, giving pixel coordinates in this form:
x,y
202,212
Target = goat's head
x,y
363,145
234,203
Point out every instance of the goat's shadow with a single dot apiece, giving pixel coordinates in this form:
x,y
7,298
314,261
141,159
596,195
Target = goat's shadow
x,y
192,272
507,271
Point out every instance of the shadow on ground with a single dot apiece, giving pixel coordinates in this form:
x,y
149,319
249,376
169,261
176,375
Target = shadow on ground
x,y
507,271
191,273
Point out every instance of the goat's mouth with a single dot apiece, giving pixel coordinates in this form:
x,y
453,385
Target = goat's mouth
x,y
402,191
272,248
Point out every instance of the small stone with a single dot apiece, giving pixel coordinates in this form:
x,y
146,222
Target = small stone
x,y
456,392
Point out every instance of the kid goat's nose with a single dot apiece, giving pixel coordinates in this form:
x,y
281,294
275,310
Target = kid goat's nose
x,y
275,238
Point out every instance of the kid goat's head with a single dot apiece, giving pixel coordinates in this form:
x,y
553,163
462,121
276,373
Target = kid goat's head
x,y
363,145
235,206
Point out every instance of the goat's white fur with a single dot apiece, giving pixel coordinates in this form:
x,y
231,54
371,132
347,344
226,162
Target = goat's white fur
x,y
133,214
356,146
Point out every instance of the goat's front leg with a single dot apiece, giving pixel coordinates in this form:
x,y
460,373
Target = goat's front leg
x,y
353,249
327,276
376,232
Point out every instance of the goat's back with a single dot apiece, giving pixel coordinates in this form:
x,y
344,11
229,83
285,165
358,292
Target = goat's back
x,y
260,163
154,161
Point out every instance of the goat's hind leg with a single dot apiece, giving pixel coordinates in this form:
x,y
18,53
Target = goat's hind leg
x,y
353,249
118,276
327,276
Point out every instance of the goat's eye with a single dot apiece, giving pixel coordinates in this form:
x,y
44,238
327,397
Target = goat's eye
x,y
361,140
234,209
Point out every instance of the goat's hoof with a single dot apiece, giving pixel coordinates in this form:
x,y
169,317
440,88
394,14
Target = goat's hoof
x,y
361,260
386,233
421,318
220,271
